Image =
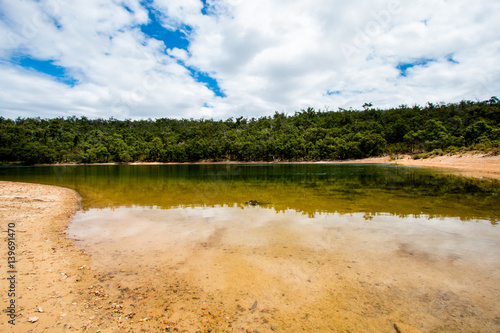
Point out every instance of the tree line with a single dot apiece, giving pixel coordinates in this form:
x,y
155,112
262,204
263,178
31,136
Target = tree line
x,y
307,135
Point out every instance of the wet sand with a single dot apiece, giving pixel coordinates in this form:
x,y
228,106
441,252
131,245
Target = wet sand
x,y
212,283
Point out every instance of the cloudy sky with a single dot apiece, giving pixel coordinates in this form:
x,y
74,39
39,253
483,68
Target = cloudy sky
x,y
229,58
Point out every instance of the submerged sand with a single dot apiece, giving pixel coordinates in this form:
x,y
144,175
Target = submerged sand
x,y
206,268
212,285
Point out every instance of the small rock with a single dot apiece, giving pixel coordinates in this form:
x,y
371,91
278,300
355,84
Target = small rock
x,y
255,203
39,309
253,306
403,328
33,319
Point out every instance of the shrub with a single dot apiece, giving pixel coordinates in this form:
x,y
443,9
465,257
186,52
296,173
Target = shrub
x,y
438,152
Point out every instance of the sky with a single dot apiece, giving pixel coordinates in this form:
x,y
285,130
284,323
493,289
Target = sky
x,y
218,59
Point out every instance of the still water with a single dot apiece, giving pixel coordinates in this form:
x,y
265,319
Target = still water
x,y
319,246
308,189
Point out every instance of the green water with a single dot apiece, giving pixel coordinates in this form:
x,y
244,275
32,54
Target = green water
x,y
344,243
305,188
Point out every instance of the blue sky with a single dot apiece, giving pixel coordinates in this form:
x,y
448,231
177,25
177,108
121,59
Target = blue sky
x,y
229,58
176,37
404,67
46,67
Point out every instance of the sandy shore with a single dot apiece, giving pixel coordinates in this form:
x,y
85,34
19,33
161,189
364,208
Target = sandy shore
x,y
470,164
56,288
52,276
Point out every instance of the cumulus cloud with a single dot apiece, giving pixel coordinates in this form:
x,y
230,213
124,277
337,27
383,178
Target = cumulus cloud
x,y
226,58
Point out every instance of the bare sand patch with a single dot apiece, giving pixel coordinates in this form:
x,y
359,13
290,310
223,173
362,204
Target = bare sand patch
x,y
49,275
468,164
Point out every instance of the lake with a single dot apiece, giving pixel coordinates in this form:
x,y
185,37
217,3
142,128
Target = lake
x,y
292,246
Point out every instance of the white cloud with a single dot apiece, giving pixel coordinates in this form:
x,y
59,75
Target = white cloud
x,y
266,55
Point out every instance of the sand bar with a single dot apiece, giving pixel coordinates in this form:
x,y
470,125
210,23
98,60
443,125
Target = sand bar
x,y
49,269
470,164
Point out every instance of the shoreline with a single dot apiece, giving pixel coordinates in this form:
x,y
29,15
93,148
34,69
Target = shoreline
x,y
51,274
470,164
474,165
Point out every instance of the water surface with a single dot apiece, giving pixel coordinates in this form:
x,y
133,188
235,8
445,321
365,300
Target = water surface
x,y
309,189
320,247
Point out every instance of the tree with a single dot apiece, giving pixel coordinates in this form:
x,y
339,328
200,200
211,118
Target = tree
x,y
306,135
477,130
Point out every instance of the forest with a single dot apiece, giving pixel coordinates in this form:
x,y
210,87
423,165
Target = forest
x,y
307,135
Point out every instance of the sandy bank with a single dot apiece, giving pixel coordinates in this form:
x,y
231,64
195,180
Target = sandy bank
x,y
50,283
469,164
56,288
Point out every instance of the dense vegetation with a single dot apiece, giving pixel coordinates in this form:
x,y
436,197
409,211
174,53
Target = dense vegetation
x,y
306,135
